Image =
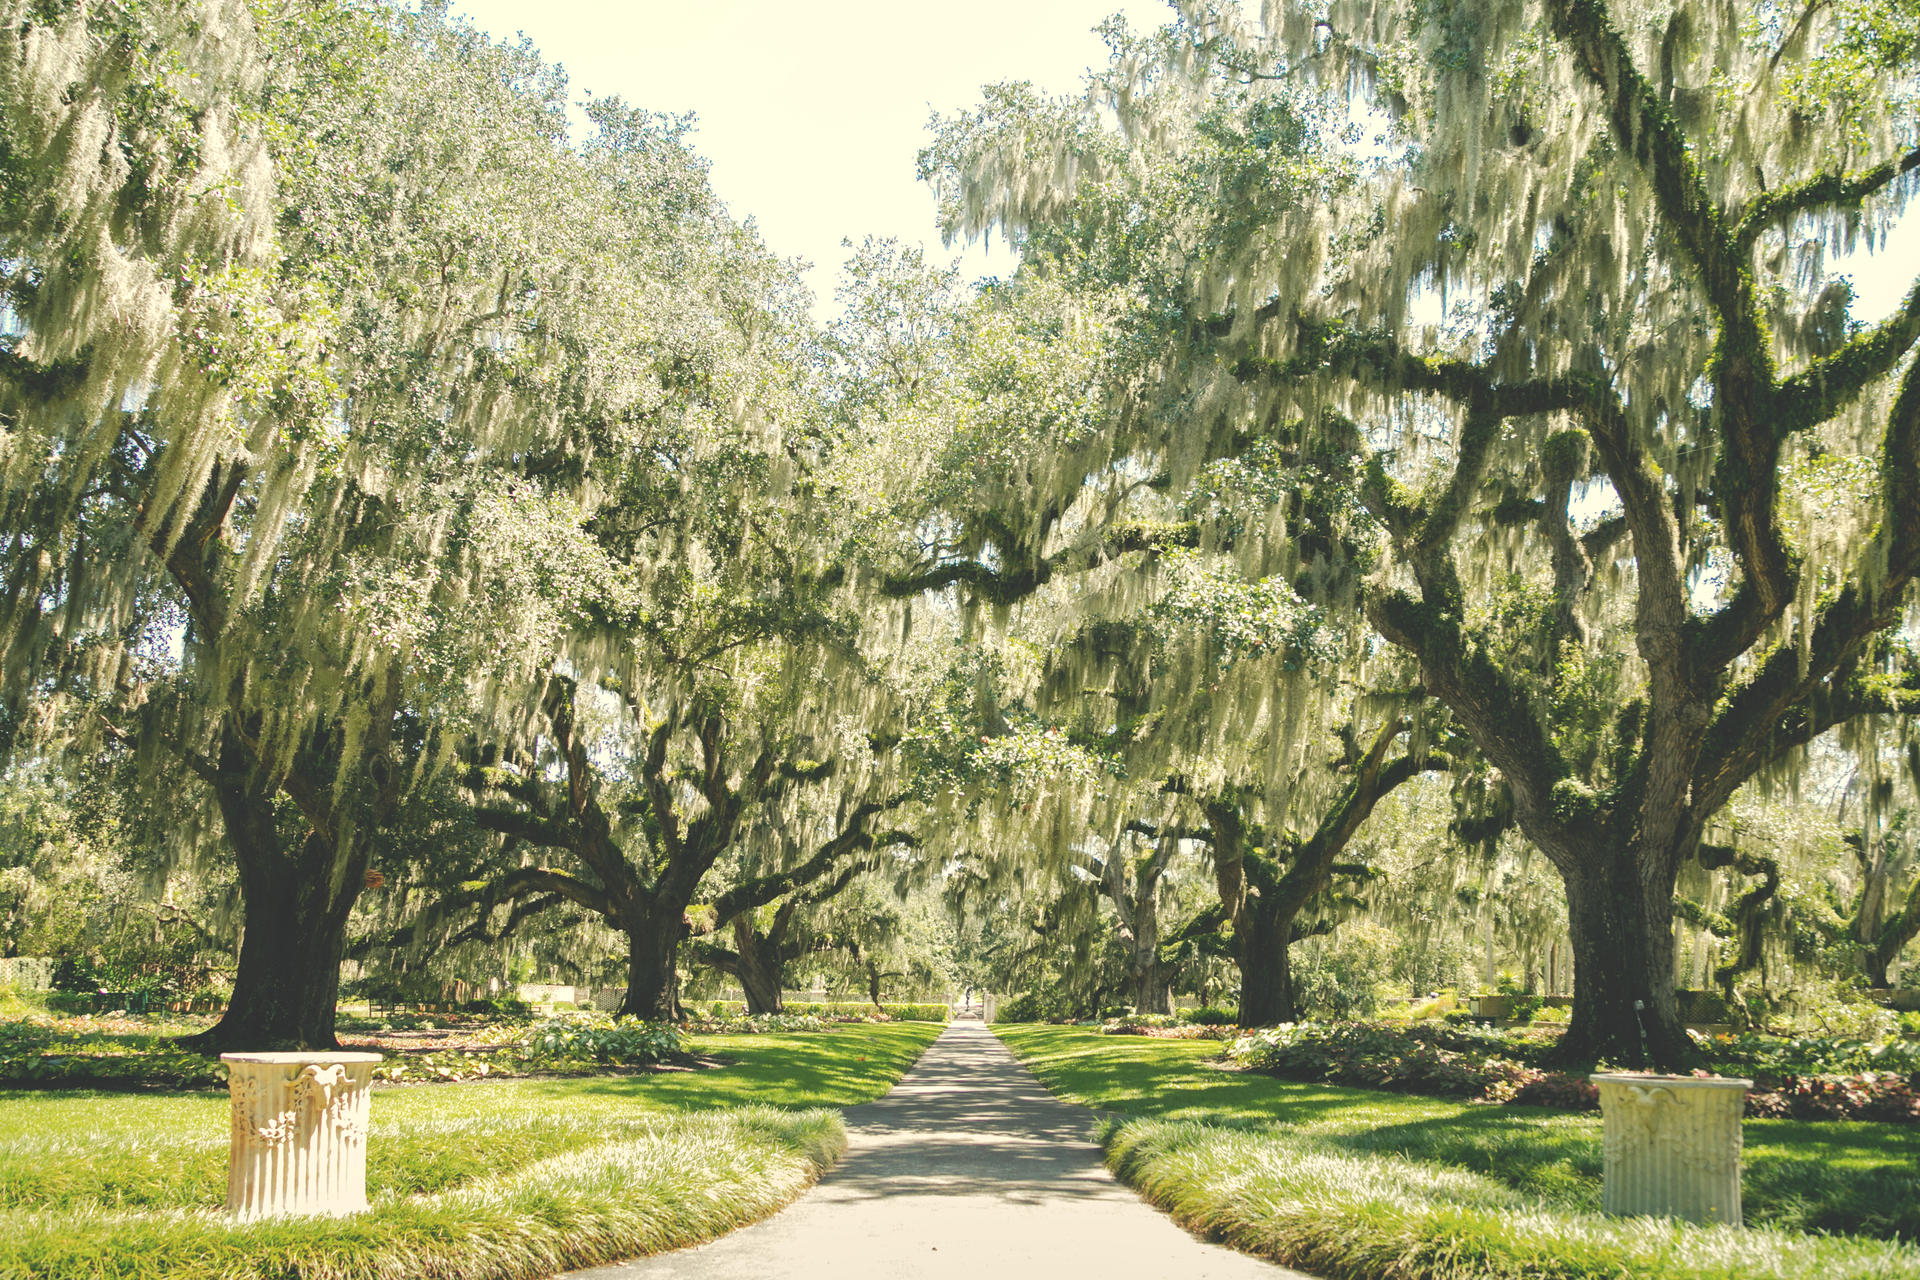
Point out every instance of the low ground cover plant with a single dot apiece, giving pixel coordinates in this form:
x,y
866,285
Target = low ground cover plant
x,y
1163,1026
517,1178
40,1050
121,1052
579,1045
1882,1097
1307,1203
1444,1062
665,1182
1848,1177
598,1039
1764,1057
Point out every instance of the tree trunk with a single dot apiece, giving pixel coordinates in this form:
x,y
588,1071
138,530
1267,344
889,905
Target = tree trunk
x,y
759,967
653,988
1151,991
297,905
288,981
1263,937
1874,892
1623,1005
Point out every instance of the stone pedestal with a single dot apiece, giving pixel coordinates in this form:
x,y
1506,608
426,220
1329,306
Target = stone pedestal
x,y
299,1133
1672,1145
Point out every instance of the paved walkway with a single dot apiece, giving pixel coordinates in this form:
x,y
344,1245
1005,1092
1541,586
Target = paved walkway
x,y
968,1168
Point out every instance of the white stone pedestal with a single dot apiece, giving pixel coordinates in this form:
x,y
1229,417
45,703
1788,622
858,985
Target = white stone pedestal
x,y
299,1133
1672,1145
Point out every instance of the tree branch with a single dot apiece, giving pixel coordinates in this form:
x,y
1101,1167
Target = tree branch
x,y
1828,385
1831,190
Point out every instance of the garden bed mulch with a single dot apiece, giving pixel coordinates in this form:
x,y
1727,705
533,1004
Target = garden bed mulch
x,y
684,1063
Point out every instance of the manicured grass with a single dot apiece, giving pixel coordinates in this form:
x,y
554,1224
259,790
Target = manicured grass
x,y
1851,1177
496,1179
73,1148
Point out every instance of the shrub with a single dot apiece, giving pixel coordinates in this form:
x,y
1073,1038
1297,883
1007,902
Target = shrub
x,y
1342,976
936,1012
1402,1060
1524,1008
1046,1004
1213,1016
612,1041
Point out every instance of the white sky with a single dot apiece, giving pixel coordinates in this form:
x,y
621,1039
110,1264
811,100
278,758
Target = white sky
x,y
812,111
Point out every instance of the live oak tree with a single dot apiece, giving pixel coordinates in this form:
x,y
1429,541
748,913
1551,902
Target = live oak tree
x,y
848,923
1267,877
1625,212
1174,621
640,870
723,730
1884,919
1130,878
344,444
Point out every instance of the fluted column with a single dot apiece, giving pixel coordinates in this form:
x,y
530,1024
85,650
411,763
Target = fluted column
x,y
299,1133
1671,1145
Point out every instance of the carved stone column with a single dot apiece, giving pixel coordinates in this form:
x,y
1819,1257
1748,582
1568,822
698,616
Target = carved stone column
x,y
299,1133
1672,1145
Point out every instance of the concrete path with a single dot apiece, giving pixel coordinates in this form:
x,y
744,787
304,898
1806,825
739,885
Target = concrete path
x,y
968,1168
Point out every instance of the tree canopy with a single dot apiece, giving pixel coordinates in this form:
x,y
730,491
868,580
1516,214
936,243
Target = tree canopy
x,y
443,521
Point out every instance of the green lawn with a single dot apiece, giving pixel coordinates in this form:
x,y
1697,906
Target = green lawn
x,y
70,1148
1859,1178
491,1179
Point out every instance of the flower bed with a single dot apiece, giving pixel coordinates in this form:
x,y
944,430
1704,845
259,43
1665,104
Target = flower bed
x,y
1369,1056
832,1011
575,1045
125,1052
1757,1055
1161,1026
1880,1096
1481,1066
761,1023
117,1052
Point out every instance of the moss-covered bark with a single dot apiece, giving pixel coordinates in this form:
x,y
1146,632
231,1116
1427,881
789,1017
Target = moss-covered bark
x,y
1266,881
